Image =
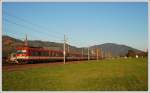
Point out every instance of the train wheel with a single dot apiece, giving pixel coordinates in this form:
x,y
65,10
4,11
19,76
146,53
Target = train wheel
x,y
31,61
23,62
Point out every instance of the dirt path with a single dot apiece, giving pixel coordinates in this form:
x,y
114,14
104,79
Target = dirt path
x,y
17,67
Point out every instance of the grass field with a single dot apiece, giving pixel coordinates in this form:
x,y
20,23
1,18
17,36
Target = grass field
x,y
114,74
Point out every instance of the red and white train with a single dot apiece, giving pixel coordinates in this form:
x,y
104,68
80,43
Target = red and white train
x,y
26,54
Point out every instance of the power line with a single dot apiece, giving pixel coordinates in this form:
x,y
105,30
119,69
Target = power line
x,y
19,33
13,34
31,23
17,25
26,27
31,28
80,42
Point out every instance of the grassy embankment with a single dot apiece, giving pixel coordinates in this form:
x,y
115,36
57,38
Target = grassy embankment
x,y
115,74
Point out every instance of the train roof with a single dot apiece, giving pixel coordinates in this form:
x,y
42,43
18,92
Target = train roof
x,y
36,48
30,46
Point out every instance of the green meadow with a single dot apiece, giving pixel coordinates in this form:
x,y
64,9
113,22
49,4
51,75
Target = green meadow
x,y
111,74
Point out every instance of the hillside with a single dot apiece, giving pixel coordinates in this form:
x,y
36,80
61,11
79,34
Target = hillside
x,y
116,49
9,44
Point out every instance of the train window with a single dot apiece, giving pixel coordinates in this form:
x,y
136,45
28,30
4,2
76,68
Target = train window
x,y
21,51
52,53
39,53
43,53
32,53
60,54
55,54
35,53
46,53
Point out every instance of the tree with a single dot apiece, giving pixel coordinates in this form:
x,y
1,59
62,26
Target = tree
x,y
130,53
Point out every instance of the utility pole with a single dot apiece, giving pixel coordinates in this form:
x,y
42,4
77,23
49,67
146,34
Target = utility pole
x,y
82,52
64,49
101,53
97,54
88,53
26,42
68,48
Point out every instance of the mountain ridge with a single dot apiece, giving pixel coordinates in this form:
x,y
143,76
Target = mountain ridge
x,y
9,44
116,49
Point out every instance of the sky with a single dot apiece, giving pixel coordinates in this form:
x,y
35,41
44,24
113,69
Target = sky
x,y
84,24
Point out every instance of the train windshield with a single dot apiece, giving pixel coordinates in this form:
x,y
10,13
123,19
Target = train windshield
x,y
21,51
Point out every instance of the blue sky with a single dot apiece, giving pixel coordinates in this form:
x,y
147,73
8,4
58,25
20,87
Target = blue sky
x,y
84,24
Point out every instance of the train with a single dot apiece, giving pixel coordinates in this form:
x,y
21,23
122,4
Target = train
x,y
28,54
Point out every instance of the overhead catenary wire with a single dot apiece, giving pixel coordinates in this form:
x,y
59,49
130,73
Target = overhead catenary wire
x,y
14,34
29,28
35,29
19,33
35,25
81,42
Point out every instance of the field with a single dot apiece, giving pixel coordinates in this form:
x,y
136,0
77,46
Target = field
x,y
114,74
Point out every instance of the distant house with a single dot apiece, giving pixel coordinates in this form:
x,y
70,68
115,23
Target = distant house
x,y
142,54
136,56
131,53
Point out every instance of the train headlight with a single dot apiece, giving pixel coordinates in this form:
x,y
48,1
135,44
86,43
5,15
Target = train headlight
x,y
24,50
